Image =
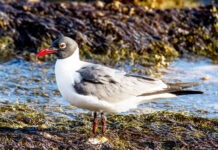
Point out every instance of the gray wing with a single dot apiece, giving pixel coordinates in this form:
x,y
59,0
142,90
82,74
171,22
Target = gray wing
x,y
97,74
112,85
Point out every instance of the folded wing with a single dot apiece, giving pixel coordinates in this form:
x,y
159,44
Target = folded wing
x,y
114,86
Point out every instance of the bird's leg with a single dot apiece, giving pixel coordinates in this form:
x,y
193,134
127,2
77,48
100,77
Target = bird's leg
x,y
103,122
95,122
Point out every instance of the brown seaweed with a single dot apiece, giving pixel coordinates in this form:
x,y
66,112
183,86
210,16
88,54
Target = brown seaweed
x,y
24,127
114,30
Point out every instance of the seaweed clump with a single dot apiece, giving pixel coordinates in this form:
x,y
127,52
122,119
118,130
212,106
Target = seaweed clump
x,y
22,126
113,31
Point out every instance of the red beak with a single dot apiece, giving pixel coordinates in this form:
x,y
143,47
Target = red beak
x,y
45,51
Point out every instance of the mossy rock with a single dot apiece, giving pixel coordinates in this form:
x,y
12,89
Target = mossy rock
x,y
22,126
112,32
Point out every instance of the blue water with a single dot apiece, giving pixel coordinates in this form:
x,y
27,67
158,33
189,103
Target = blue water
x,y
201,71
34,84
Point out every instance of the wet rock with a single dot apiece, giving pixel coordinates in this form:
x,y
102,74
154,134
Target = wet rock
x,y
104,28
158,130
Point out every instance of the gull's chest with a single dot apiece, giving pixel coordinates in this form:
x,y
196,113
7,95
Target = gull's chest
x,y
66,76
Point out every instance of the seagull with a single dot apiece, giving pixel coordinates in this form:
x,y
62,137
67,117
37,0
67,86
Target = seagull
x,y
102,89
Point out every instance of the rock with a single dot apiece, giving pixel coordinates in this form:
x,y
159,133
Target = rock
x,y
102,28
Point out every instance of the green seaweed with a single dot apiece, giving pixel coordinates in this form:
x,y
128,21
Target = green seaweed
x,y
24,126
6,48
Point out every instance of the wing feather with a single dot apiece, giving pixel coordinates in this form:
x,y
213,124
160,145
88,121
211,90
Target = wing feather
x,y
112,85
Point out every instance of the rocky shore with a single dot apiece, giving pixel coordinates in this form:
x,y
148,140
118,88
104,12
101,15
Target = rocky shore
x,y
109,33
24,127
113,31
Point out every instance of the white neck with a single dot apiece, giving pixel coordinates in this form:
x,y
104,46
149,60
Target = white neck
x,y
73,57
71,62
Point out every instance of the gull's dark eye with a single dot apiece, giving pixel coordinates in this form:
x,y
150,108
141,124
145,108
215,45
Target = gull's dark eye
x,y
62,45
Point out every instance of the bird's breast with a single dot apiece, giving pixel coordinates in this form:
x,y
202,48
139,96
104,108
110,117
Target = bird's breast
x,y
65,78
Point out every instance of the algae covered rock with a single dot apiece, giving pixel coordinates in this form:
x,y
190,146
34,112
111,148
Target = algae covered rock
x,y
115,30
23,127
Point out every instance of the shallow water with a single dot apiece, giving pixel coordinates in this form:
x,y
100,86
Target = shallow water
x,y
32,83
201,71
